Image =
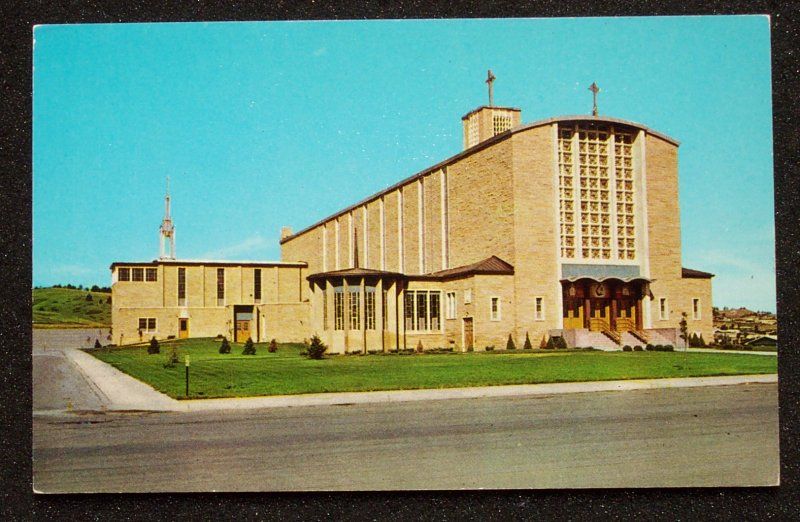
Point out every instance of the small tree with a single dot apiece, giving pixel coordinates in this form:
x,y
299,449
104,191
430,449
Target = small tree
x,y
225,347
273,346
88,297
684,327
543,344
510,343
420,348
702,341
249,347
172,358
97,343
316,349
527,345
108,300
154,346
551,344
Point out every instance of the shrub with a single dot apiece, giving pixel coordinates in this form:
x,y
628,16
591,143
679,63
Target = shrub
x,y
373,352
649,347
658,348
543,345
154,346
551,344
470,349
316,349
273,346
527,345
249,347
510,343
172,358
170,337
489,348
225,347
669,348
97,343
627,348
219,336
420,348
560,343
89,297
637,348
108,301
702,341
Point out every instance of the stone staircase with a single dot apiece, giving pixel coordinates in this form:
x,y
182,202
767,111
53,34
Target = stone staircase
x,y
596,340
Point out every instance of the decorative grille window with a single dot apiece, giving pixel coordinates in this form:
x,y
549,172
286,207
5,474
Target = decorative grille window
x,y
500,123
596,194
472,131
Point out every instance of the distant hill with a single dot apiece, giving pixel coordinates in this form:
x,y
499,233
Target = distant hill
x,y
69,308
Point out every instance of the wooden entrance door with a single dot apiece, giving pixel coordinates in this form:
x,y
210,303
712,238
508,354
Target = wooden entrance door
x,y
242,330
598,319
183,328
573,313
626,315
469,338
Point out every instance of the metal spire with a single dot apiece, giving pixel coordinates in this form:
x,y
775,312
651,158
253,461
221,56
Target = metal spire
x,y
166,232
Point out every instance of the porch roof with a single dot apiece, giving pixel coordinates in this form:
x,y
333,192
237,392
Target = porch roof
x,y
600,273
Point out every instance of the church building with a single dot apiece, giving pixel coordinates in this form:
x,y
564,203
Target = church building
x,y
565,227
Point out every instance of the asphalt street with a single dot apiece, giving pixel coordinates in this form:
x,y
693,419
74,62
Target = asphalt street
x,y
705,436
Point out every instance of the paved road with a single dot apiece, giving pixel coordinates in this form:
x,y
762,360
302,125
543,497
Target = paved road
x,y
710,436
45,339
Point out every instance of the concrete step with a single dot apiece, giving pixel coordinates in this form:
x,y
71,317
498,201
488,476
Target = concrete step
x,y
596,340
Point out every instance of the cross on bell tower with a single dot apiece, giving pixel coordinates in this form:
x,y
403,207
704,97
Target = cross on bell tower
x,y
490,78
595,89
167,231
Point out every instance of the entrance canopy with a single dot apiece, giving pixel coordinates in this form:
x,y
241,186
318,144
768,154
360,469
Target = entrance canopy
x,y
600,273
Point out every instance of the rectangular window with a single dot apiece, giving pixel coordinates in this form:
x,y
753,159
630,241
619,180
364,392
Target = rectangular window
x,y
450,312
369,307
663,310
495,311
338,307
138,274
354,306
257,285
324,306
408,310
147,324
220,287
539,309
151,274
434,308
124,274
696,309
385,310
422,310
181,286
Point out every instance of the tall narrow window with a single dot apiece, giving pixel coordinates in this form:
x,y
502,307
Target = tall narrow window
x,y
354,306
257,285
151,274
539,309
220,287
422,310
338,307
124,274
369,307
324,288
663,310
384,309
696,309
137,274
434,309
495,309
408,310
451,305
181,286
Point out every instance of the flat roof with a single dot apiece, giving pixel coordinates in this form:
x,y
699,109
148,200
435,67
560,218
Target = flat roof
x,y
209,262
478,147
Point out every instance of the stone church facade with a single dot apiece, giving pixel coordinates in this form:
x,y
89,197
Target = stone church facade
x,y
565,227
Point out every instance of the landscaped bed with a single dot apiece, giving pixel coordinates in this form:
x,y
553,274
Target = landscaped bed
x,y
287,372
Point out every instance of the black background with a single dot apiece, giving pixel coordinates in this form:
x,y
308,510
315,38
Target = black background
x,y
17,500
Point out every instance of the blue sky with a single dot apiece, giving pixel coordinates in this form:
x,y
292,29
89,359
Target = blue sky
x,y
261,125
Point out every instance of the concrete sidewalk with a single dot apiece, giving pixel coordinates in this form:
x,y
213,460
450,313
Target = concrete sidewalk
x,y
126,393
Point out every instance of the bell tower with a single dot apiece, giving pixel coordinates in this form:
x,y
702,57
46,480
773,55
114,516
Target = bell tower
x,y
167,231
488,120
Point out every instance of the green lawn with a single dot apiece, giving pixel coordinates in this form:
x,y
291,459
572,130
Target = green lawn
x,y
65,307
286,372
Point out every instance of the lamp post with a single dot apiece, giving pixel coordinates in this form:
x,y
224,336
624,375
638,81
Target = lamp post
x,y
187,376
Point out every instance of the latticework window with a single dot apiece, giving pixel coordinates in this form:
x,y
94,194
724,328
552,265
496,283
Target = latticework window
x,y
596,194
500,123
623,164
566,193
472,131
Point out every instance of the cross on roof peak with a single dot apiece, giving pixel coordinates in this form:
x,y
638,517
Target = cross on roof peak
x,y
490,78
595,89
